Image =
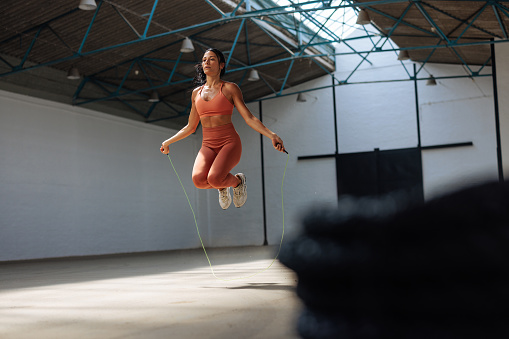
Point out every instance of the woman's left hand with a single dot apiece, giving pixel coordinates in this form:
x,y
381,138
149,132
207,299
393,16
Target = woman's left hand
x,y
277,142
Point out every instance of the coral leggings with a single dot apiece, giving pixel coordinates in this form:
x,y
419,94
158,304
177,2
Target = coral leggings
x,y
219,154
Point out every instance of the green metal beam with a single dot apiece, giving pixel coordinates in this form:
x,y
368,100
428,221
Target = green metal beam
x,y
80,49
279,17
432,22
396,25
499,20
461,21
472,22
150,19
235,42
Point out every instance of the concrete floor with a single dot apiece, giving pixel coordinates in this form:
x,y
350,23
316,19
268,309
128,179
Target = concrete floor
x,y
151,295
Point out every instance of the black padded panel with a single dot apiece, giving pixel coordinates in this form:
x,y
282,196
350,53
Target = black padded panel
x,y
380,172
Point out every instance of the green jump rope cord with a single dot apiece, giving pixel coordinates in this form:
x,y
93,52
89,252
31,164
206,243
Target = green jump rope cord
x,y
198,230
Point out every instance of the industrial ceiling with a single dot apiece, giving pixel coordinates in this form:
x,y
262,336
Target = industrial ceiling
x,y
127,51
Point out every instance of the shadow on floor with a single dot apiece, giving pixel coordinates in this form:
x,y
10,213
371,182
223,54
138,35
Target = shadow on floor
x,y
265,286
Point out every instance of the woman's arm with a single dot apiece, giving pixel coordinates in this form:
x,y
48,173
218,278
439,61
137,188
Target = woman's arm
x,y
252,121
187,130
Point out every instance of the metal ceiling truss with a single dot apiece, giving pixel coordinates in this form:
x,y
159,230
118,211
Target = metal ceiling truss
x,y
313,43
443,38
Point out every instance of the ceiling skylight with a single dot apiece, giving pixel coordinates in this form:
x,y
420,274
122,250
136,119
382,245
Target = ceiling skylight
x,y
332,24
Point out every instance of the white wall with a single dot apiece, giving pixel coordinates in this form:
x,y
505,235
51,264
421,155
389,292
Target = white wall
x,y
307,128
383,115
76,182
376,115
454,111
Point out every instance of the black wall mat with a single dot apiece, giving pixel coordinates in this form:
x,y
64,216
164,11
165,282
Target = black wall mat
x,y
380,172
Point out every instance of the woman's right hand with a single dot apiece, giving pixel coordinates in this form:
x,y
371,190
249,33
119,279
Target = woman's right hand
x,y
165,148
277,142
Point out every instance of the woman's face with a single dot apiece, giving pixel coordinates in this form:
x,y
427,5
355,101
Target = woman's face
x,y
211,64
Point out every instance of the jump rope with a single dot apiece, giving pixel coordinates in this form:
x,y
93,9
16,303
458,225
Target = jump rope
x,y
198,230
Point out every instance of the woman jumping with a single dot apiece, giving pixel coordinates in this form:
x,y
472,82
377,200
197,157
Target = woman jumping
x,y
212,105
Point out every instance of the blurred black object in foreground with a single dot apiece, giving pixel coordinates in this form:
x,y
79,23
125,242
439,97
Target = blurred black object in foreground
x,y
384,268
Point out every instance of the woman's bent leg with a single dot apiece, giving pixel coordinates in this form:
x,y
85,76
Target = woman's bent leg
x,y
201,168
228,157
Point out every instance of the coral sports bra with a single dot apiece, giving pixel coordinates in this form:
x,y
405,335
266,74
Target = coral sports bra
x,y
218,105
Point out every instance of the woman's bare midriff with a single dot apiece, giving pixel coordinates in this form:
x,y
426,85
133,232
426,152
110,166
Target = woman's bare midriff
x,y
216,120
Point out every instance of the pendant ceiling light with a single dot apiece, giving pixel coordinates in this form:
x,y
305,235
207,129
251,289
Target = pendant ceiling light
x,y
363,18
73,74
187,46
403,55
88,5
431,81
253,76
154,97
301,98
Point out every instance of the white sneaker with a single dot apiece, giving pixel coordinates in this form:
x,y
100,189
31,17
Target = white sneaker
x,y
240,192
225,199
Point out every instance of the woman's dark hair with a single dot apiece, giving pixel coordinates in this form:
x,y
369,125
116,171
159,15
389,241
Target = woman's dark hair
x,y
200,78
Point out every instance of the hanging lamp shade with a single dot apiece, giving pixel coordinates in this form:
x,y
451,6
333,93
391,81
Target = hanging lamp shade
x,y
363,18
253,76
403,55
431,81
187,46
154,97
73,74
87,5
301,97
